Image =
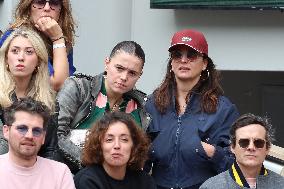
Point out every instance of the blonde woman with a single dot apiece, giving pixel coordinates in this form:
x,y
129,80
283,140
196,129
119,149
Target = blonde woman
x,y
24,73
54,22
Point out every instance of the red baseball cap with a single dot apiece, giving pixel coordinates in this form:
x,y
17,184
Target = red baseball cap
x,y
191,38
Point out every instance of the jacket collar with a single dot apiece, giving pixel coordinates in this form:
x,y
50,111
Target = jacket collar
x,y
237,175
193,105
134,94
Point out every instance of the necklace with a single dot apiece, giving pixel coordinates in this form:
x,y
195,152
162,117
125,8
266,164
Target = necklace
x,y
115,107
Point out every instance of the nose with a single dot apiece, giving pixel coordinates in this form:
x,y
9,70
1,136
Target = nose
x,y
21,56
46,6
123,76
251,145
116,144
29,134
184,57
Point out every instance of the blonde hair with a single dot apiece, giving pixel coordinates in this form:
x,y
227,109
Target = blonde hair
x,y
39,87
66,22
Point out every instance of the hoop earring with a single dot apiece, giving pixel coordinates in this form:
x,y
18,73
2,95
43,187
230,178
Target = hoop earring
x,y
208,75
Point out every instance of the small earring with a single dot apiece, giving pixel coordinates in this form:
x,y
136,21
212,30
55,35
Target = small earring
x,y
171,70
7,67
36,69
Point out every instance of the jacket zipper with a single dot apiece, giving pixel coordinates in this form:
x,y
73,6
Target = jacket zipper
x,y
176,149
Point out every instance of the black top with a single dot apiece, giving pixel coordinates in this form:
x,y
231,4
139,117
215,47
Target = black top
x,y
95,177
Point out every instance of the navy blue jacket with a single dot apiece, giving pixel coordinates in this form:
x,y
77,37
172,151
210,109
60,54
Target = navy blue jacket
x,y
177,155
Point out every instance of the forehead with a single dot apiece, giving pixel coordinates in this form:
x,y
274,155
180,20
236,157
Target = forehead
x,y
29,119
117,129
251,131
21,41
127,60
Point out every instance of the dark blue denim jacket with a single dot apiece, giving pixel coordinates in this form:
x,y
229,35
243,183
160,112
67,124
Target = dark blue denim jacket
x,y
72,69
177,157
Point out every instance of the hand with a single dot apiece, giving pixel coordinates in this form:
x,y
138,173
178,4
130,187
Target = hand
x,y
49,27
208,148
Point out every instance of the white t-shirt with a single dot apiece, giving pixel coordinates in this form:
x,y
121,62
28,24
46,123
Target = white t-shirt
x,y
45,174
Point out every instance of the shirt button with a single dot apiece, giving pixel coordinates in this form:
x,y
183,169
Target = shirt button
x,y
148,118
196,150
145,99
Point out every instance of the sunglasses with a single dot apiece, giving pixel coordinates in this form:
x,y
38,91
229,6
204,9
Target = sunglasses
x,y
191,55
258,143
53,4
23,129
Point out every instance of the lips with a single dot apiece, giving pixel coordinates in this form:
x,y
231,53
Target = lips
x,y
27,143
20,66
184,68
116,155
120,85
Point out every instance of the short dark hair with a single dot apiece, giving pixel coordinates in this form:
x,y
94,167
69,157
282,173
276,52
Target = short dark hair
x,y
130,47
92,151
248,119
28,105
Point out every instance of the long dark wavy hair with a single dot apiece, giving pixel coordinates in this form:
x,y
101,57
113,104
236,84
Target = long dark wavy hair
x,y
208,87
66,22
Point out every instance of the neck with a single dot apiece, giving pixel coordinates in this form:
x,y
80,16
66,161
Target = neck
x,y
21,87
22,162
113,98
117,173
250,172
184,86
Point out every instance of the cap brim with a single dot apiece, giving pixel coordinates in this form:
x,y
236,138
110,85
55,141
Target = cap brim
x,y
172,46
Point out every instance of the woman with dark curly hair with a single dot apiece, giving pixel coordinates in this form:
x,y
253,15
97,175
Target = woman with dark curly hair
x,y
191,118
114,154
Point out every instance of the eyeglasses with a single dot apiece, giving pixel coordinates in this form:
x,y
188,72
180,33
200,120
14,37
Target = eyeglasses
x,y
53,4
258,143
191,55
23,129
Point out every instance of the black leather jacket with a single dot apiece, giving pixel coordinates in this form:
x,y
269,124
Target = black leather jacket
x,y
76,101
48,150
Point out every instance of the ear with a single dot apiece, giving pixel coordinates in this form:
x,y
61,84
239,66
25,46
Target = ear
x,y
205,62
232,149
43,139
6,131
107,61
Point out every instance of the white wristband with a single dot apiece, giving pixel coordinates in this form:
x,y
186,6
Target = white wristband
x,y
59,45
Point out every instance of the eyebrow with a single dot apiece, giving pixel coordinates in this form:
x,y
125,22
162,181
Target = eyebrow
x,y
119,135
127,68
22,47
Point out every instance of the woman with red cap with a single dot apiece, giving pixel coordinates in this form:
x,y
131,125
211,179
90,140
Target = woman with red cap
x,y
191,118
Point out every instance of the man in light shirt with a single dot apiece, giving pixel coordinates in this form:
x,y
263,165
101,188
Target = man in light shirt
x,y
251,139
26,123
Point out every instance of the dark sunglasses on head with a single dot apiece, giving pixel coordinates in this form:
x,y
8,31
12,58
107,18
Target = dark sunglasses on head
x,y
23,129
258,143
191,55
40,4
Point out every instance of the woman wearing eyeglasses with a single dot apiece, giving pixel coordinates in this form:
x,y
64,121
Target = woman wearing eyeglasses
x,y
190,117
24,73
54,22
